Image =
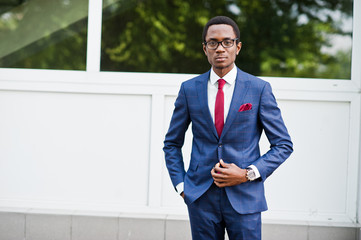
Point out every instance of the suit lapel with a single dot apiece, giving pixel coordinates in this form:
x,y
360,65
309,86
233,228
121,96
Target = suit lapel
x,y
201,86
240,91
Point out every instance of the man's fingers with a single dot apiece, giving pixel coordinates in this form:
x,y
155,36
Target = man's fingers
x,y
221,170
217,184
182,194
218,176
220,184
218,179
222,163
218,170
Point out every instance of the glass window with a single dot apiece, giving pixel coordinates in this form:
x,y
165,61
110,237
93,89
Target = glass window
x,y
280,38
43,34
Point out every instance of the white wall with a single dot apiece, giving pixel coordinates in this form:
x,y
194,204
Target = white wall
x,y
84,141
92,141
74,147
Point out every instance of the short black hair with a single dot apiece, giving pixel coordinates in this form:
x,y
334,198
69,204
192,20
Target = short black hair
x,y
221,20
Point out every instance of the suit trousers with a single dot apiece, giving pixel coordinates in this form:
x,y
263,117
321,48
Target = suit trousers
x,y
212,213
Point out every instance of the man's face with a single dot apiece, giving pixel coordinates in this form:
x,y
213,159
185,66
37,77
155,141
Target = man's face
x,y
221,58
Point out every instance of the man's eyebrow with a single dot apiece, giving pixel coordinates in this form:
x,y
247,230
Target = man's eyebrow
x,y
215,39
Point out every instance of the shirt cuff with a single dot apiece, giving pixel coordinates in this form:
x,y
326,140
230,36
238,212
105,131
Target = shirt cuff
x,y
255,169
180,187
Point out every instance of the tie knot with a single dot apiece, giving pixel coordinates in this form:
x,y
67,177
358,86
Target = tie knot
x,y
221,83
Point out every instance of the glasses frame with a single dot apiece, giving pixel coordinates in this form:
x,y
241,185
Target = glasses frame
x,y
219,42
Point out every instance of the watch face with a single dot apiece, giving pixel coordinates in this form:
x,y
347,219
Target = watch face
x,y
251,175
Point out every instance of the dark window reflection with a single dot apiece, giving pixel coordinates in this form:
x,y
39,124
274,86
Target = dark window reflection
x,y
297,38
43,34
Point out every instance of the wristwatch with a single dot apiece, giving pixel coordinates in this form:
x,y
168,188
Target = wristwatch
x,y
251,175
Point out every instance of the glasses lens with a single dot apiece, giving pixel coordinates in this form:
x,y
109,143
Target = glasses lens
x,y
212,44
227,43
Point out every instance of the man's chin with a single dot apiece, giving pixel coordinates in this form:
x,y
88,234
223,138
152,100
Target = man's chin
x,y
222,66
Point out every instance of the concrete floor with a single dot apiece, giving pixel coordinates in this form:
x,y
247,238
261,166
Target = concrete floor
x,y
25,226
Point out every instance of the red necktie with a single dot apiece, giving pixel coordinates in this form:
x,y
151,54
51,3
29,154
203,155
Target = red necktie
x,y
219,108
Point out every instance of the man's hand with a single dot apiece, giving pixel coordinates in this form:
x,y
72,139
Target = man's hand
x,y
226,175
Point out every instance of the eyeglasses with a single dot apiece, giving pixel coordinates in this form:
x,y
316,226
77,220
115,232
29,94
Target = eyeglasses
x,y
226,43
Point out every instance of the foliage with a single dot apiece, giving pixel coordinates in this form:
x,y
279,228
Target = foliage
x,y
43,34
280,38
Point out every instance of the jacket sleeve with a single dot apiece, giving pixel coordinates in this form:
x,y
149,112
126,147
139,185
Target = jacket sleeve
x,y
276,132
174,139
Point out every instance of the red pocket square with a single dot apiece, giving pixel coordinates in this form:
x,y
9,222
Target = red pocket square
x,y
245,107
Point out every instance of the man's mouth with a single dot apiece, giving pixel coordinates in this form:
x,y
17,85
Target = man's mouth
x,y
220,59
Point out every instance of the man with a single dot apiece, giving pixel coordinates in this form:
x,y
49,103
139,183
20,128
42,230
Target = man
x,y
228,108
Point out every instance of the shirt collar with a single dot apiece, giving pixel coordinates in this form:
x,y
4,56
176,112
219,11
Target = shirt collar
x,y
230,77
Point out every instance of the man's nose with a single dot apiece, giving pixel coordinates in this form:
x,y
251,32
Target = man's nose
x,y
220,48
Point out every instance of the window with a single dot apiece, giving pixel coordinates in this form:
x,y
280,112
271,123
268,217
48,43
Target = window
x,y
43,34
300,38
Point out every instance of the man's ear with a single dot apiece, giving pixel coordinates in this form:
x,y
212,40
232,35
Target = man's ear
x,y
239,46
204,49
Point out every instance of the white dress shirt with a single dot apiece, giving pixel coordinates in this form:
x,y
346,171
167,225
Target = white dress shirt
x,y
228,89
212,90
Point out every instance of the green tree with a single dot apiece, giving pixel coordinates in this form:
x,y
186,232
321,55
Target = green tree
x,y
280,38
43,34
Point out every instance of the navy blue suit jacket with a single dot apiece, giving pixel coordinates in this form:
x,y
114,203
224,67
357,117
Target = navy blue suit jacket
x,y
238,144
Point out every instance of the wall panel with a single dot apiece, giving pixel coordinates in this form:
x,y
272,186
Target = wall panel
x,y
74,148
313,184
314,181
